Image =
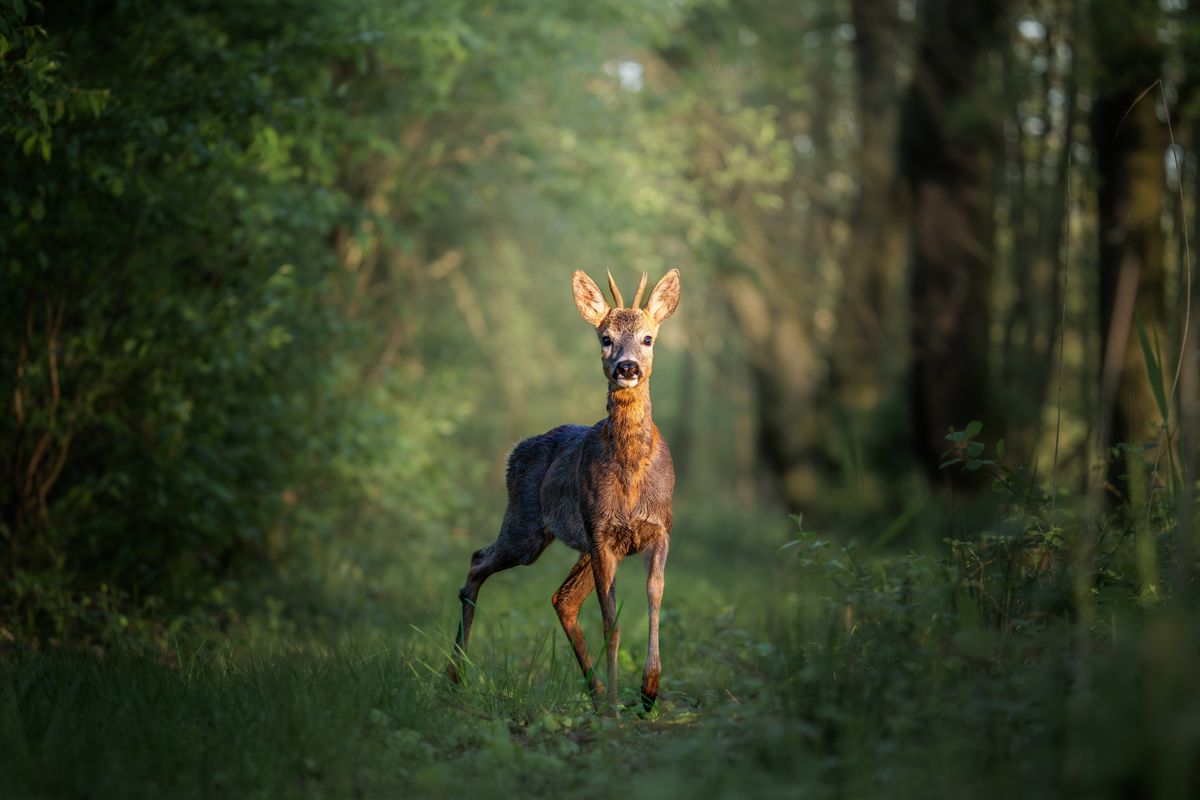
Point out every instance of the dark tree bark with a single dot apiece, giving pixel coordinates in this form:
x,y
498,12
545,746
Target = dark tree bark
x,y
785,368
879,236
947,148
1130,143
1189,390
875,260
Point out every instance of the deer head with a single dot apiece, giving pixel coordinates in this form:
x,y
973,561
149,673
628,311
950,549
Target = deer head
x,y
626,335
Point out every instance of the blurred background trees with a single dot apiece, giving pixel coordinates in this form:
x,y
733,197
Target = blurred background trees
x,y
279,274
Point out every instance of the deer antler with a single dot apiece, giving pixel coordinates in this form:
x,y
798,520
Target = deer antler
x,y
616,293
637,298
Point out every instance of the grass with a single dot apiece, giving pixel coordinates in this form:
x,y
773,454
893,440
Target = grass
x,y
813,671
355,703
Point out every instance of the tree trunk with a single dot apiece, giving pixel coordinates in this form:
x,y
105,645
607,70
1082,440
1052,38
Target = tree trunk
x,y
784,365
875,260
1129,142
947,150
1037,222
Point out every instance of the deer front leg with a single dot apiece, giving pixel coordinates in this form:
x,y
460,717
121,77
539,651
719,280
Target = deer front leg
x,y
567,600
656,563
604,570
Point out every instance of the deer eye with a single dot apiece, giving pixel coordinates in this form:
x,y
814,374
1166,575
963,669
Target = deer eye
x,y
606,341
647,341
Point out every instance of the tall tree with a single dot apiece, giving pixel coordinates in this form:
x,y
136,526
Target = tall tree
x,y
947,150
1129,142
1039,87
765,159
879,225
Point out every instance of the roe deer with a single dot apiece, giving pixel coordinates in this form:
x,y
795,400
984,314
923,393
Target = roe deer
x,y
604,491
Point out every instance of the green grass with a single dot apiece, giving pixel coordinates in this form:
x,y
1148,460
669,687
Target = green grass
x,y
785,674
354,702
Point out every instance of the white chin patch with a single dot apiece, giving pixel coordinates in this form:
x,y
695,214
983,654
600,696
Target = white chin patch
x,y
627,383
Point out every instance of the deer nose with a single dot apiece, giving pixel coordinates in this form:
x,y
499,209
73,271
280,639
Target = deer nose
x,y
627,369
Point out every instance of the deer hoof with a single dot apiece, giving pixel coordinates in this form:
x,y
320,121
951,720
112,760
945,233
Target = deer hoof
x,y
649,691
606,709
606,706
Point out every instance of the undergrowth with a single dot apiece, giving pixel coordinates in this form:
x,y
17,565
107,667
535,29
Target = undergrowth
x,y
808,666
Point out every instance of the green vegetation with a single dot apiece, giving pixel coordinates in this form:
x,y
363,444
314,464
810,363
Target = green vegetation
x,y
852,675
282,282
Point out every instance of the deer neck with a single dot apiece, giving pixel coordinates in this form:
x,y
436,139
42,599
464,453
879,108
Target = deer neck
x,y
629,434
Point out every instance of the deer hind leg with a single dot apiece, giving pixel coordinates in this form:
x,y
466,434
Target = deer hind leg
x,y
604,572
656,562
567,602
514,547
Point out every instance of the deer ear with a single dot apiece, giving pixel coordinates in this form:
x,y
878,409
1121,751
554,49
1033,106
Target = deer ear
x,y
664,298
588,299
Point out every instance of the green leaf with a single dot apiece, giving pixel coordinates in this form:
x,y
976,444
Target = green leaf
x,y
1153,368
1000,449
96,100
973,429
900,523
39,105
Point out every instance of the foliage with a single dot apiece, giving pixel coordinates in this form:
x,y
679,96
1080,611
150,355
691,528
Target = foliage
x,y
911,677
35,99
867,672
202,382
283,281
166,271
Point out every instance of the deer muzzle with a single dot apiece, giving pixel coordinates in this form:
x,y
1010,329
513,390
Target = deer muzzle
x,y
627,373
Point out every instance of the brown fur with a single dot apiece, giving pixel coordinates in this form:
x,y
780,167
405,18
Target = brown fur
x,y
629,440
604,491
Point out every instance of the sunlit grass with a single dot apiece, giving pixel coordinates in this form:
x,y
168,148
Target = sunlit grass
x,y
270,710
780,679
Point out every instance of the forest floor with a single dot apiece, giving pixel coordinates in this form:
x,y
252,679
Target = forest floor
x,y
356,710
356,704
